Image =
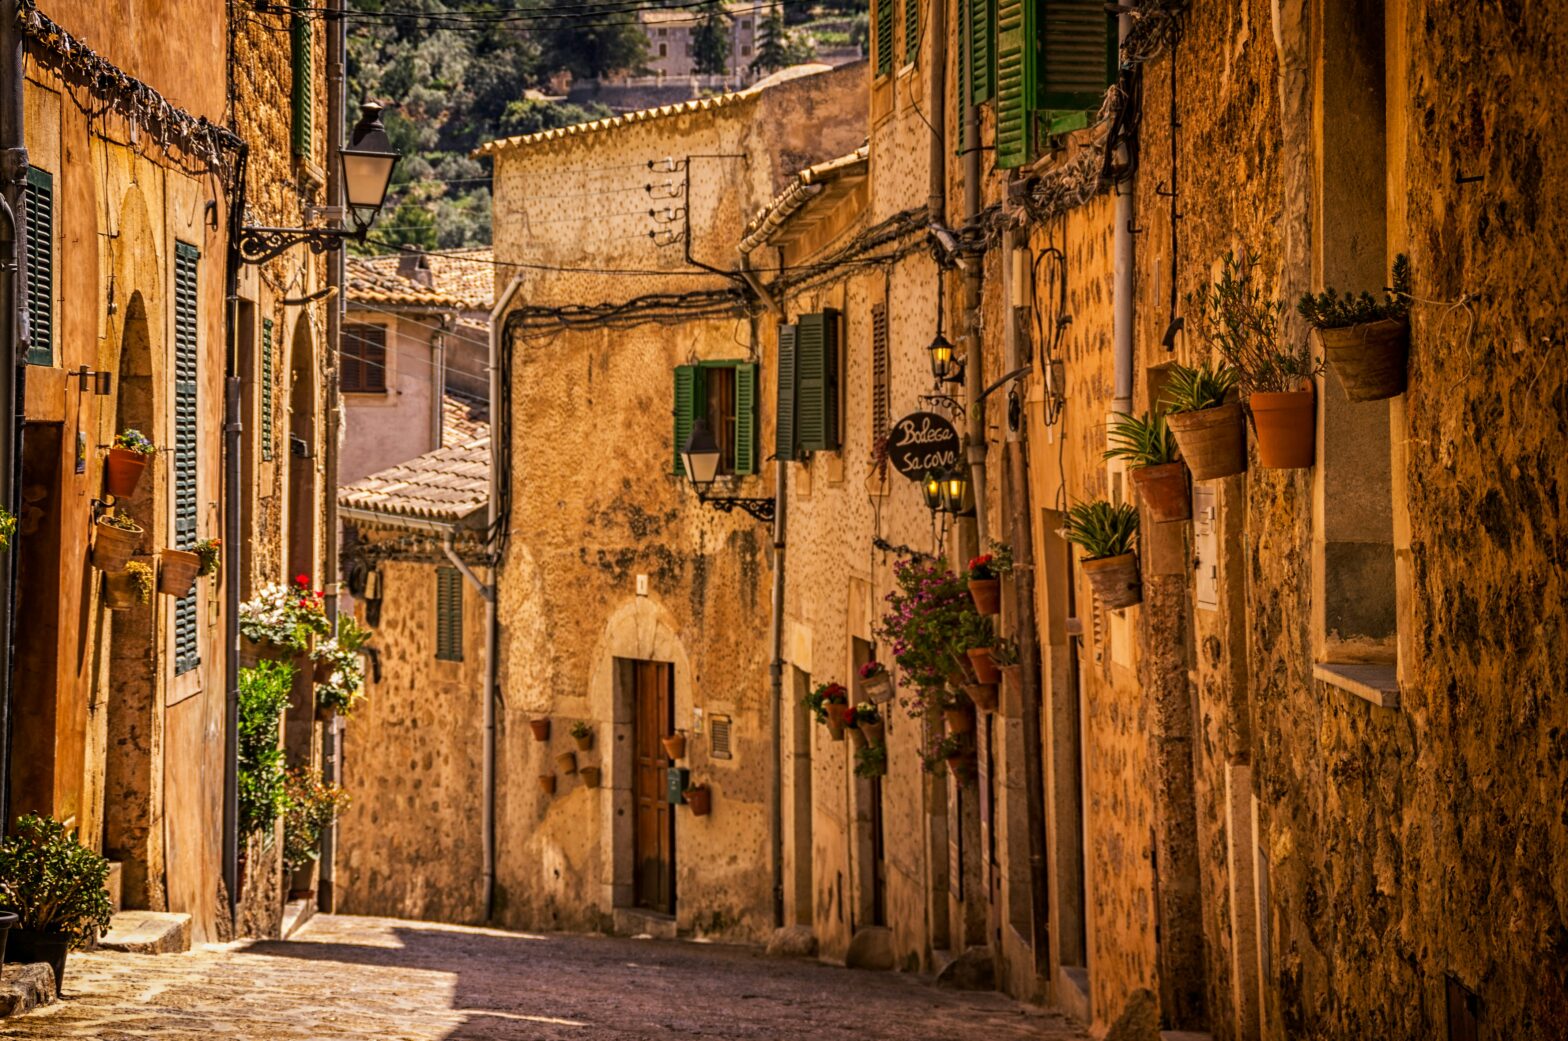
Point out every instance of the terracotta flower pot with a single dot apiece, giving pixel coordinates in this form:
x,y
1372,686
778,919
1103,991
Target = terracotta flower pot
x,y
1286,424
121,591
960,720
1213,441
177,572
675,746
987,594
700,800
541,729
566,762
1163,489
983,695
113,547
857,737
1369,358
547,783
836,713
123,471
584,742
1115,580
875,732
590,776
254,651
878,689
985,669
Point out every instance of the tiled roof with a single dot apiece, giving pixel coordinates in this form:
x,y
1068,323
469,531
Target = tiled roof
x,y
459,280
446,486
832,177
464,420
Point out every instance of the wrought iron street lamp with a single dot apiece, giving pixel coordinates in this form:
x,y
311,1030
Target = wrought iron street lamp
x,y
944,366
931,488
368,161
954,487
700,458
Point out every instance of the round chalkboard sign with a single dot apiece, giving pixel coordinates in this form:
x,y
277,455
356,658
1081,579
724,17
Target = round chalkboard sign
x,y
922,443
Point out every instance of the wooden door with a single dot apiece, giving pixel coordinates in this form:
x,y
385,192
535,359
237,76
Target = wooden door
x,y
654,694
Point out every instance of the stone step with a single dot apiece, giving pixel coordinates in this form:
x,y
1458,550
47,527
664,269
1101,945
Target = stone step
x,y
115,886
148,932
24,988
295,914
638,924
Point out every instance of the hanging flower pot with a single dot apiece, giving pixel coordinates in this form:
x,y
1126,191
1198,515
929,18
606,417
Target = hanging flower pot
x,y
987,594
582,735
128,588
675,745
177,571
1213,440
985,668
1370,358
590,776
1163,489
325,712
836,712
700,799
875,682
566,762
1286,425
1115,580
541,728
115,538
547,783
857,737
983,695
322,672
124,470
875,733
959,719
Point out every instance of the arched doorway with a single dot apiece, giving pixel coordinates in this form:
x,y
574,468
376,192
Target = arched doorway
x,y
302,521
133,776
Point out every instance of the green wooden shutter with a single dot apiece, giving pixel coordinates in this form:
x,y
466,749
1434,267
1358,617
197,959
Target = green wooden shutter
x,y
816,369
884,36
39,203
302,98
685,410
449,614
1016,82
784,443
187,651
980,32
911,31
266,389
1077,58
745,419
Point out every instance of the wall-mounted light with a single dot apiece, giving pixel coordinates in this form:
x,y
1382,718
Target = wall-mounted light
x,y
955,486
700,460
945,366
100,382
931,488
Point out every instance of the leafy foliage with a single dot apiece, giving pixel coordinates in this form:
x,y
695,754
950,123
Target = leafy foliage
x,y
7,527
134,440
1192,389
310,807
52,882
1243,324
778,47
930,623
871,761
264,693
1102,530
710,40
1142,440
285,616
825,694
1329,310
141,574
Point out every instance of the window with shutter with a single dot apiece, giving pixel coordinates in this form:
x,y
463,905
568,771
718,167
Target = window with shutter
x,y
884,36
911,31
881,404
187,651
1077,62
724,393
685,411
266,389
816,381
745,419
980,34
449,614
362,359
1015,82
39,203
302,97
784,443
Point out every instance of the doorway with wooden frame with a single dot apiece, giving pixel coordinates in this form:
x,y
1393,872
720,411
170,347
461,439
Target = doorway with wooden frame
x,y
653,844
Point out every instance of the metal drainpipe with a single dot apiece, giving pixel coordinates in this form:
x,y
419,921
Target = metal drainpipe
x,y
776,682
492,617
974,368
1122,259
13,336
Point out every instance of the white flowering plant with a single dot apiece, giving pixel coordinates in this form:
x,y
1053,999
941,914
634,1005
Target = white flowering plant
x,y
286,616
345,685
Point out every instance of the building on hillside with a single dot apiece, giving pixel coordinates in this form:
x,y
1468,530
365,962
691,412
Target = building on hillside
x,y
119,716
672,43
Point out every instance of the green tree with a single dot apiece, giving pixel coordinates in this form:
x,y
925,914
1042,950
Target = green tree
x,y
777,47
711,40
532,115
411,224
613,43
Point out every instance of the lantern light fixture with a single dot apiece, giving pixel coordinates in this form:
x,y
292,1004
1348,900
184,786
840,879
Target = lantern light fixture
x,y
955,486
945,365
700,459
931,488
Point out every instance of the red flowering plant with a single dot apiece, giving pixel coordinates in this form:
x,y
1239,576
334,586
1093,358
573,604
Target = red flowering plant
x,y
980,567
286,616
826,694
994,564
928,614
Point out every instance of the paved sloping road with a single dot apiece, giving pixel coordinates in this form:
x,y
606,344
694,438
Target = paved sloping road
x,y
371,979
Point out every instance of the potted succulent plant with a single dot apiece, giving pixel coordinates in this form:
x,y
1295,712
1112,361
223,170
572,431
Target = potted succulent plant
x,y
1149,448
130,587
1005,657
829,703
700,799
1243,325
870,723
871,761
1207,422
590,776
57,889
675,745
582,734
540,728
115,538
1105,533
177,571
985,586
1365,341
128,458
876,682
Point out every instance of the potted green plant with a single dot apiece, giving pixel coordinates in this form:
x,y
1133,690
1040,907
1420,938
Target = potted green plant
x,y
857,737
1005,656
829,703
871,761
177,571
925,610
129,455
876,682
130,587
115,538
282,621
264,691
948,749
339,676
974,641
870,723
1365,341
57,888
1242,323
311,805
211,553
700,799
958,713
1205,420
582,734
985,585
1105,533
1149,447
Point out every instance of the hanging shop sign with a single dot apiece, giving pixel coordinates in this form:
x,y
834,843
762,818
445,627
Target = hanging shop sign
x,y
922,443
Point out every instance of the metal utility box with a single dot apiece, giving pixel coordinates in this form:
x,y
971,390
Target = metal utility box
x,y
675,786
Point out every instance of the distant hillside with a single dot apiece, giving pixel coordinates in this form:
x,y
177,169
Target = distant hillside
x,y
461,72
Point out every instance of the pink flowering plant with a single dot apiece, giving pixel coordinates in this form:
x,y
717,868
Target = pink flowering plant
x,y
286,616
929,616
872,668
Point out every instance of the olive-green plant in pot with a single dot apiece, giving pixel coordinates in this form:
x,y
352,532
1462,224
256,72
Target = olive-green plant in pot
x,y
1365,341
56,887
1149,448
1205,420
1105,533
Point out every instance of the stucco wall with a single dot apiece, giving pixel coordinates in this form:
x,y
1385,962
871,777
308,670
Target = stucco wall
x,y
382,430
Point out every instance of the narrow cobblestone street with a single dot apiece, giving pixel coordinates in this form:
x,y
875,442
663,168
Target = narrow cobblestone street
x,y
386,980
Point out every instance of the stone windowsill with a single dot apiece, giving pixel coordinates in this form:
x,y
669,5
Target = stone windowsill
x,y
1377,682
